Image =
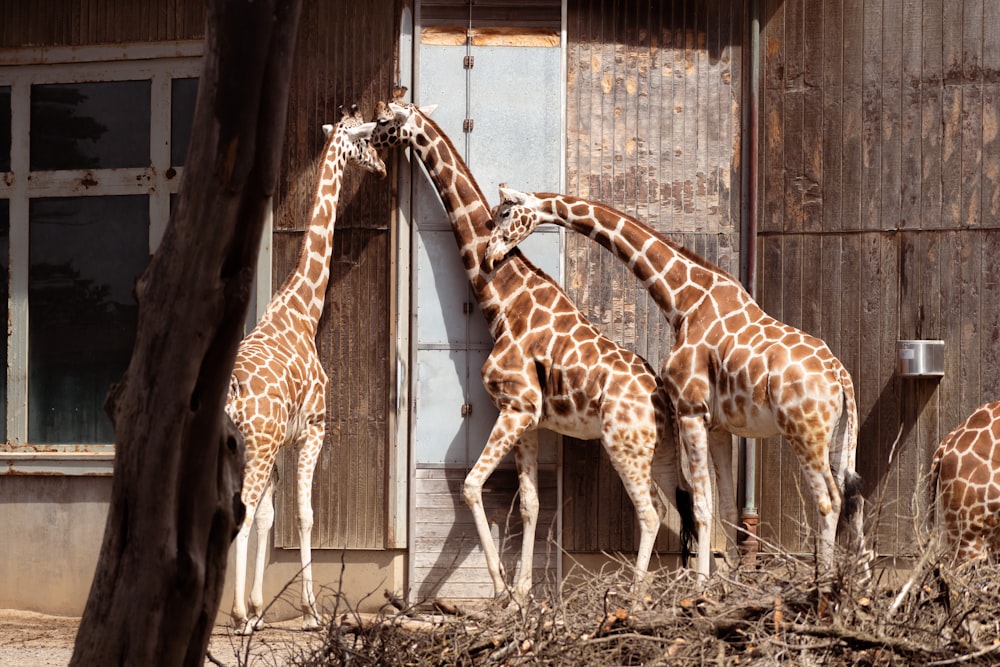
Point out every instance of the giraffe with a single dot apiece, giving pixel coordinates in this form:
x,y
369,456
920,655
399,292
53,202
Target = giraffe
x,y
733,370
549,366
965,476
277,393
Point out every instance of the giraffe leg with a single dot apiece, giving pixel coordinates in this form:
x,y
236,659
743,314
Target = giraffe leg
x,y
638,482
506,431
263,521
526,456
239,612
694,438
256,481
307,460
814,462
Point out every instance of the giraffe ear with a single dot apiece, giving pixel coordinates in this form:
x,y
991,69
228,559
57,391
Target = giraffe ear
x,y
327,129
399,112
428,110
363,131
511,196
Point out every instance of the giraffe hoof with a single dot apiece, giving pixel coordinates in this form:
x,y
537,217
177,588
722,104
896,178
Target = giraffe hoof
x,y
310,623
249,626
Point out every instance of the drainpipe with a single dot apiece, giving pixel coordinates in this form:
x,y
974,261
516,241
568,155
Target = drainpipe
x,y
749,518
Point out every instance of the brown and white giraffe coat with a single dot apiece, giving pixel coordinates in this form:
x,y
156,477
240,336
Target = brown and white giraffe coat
x,y
733,368
549,366
965,476
277,393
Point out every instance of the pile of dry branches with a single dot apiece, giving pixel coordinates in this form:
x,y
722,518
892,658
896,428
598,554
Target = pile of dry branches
x,y
776,611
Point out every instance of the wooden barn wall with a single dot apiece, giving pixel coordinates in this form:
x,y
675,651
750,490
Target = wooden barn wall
x,y
345,54
654,96
87,22
880,220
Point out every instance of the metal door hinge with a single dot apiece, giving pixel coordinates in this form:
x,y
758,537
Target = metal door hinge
x,y
468,124
467,308
466,409
469,62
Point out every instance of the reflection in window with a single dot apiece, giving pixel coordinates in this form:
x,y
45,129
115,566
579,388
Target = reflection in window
x,y
5,130
85,255
90,125
183,93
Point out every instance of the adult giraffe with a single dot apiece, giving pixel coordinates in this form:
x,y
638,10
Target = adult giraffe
x,y
733,368
549,366
965,481
277,393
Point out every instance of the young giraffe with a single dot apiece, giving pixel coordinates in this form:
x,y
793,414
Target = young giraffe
x,y
549,367
733,368
277,394
965,476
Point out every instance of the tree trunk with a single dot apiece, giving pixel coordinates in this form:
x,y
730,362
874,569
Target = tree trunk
x,y
175,502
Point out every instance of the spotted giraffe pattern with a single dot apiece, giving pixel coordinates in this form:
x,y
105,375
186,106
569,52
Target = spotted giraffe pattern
x,y
733,369
277,393
965,473
549,367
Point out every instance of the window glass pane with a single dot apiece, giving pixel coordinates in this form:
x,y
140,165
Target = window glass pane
x,y
5,128
90,125
183,93
85,254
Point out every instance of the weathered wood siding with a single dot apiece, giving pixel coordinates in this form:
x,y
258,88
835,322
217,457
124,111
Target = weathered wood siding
x,y
83,22
880,220
345,54
654,96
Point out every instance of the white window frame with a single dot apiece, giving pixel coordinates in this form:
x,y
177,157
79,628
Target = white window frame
x,y
20,69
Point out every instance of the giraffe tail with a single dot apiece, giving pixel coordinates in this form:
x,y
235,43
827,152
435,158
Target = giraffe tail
x,y
843,457
689,531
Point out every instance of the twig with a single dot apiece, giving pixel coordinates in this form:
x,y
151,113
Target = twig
x,y
861,639
967,657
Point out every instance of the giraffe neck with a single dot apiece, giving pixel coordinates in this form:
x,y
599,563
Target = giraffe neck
x,y
467,208
677,279
303,294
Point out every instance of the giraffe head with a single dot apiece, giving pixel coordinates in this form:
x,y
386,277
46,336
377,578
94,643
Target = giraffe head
x,y
513,221
353,137
398,122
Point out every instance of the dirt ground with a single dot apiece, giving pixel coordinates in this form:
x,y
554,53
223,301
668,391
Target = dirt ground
x,y
28,639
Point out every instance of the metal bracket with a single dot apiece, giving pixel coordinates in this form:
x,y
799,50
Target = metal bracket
x,y
468,124
469,62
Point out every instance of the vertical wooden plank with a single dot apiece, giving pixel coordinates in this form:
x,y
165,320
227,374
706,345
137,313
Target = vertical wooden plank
x,y
970,336
931,116
872,119
973,31
794,108
910,120
832,90
853,167
891,115
813,124
772,161
905,475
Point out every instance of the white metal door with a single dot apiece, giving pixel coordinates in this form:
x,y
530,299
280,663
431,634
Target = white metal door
x,y
513,96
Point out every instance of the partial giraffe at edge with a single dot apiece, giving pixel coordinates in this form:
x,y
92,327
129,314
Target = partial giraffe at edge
x,y
549,366
277,393
733,368
965,482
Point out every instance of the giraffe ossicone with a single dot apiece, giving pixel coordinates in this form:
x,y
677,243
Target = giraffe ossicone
x,y
733,370
549,366
965,483
277,392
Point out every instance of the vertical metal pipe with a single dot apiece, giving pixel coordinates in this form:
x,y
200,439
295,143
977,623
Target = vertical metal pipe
x,y
748,258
